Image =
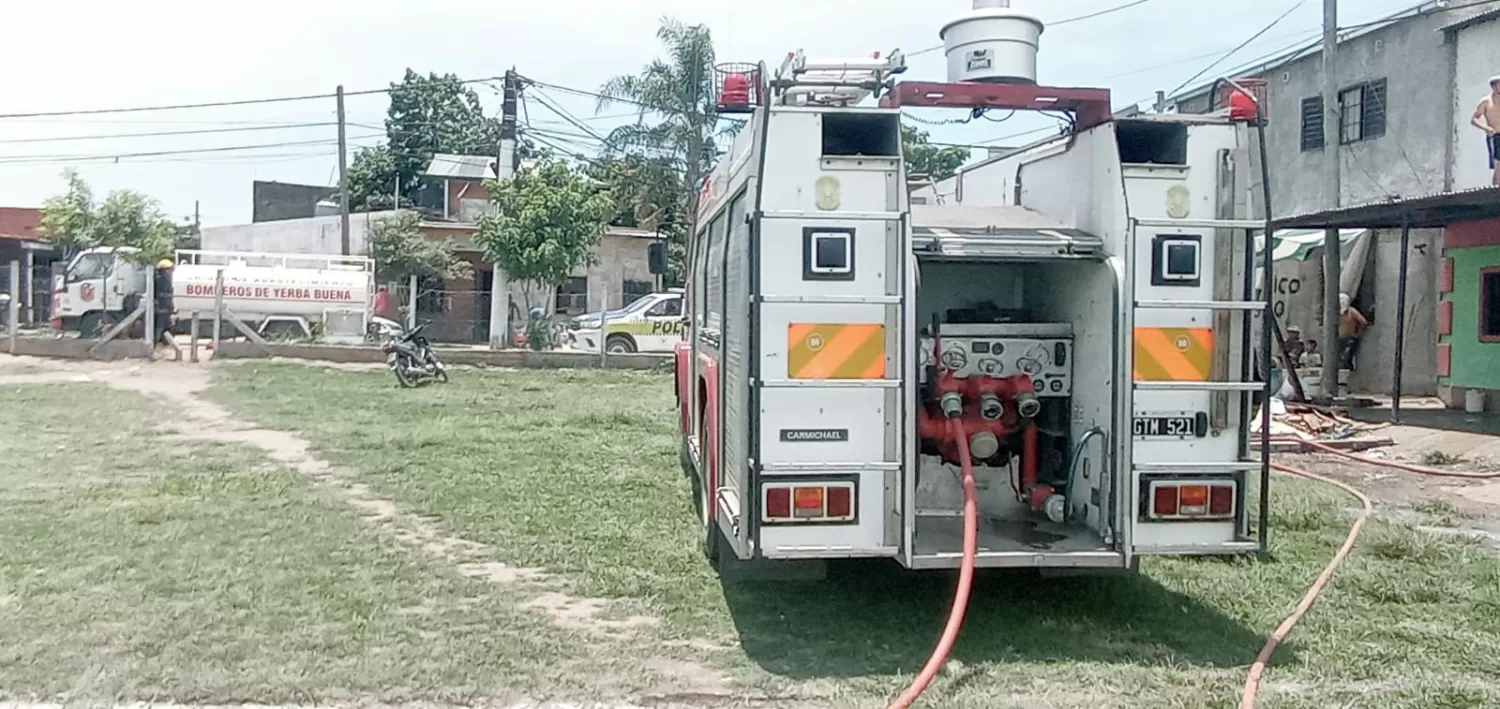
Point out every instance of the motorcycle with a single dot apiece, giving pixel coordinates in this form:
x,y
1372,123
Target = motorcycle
x,y
410,355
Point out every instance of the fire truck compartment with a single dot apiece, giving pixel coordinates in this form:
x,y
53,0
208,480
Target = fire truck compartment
x,y
1023,297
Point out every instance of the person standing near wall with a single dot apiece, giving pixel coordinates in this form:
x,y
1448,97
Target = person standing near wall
x,y
1487,119
1352,325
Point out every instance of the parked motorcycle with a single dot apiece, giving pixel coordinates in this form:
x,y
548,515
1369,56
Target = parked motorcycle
x,y
410,356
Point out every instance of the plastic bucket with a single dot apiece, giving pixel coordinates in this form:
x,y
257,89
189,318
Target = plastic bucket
x,y
1474,401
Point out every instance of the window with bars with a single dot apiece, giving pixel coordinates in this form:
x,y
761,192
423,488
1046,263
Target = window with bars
x,y
635,290
1312,123
1362,112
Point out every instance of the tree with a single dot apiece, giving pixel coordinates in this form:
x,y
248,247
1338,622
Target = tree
x,y
427,114
125,218
680,92
401,251
649,194
549,223
924,158
372,179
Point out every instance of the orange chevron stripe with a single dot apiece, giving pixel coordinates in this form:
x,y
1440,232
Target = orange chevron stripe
x,y
1173,354
835,351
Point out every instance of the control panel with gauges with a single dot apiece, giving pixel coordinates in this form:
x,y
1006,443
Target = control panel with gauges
x,y
1042,351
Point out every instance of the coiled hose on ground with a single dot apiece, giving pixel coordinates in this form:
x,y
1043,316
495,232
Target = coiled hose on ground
x,y
1262,660
1258,668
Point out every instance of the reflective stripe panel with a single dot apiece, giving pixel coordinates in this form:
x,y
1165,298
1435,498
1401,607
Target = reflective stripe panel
x,y
835,351
1173,354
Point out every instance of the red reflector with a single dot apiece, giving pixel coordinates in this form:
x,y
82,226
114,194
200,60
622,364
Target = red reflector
x,y
1164,501
840,502
1221,500
778,502
1192,500
808,501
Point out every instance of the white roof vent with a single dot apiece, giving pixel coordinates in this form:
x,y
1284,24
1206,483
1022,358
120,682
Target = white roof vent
x,y
993,43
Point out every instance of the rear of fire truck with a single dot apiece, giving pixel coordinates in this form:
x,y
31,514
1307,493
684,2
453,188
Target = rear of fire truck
x,y
1071,327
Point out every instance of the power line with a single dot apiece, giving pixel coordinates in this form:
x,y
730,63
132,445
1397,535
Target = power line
x,y
1241,45
541,98
21,159
1080,18
213,104
206,131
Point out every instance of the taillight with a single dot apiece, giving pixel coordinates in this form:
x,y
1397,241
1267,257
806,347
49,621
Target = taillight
x,y
778,503
807,502
840,501
1164,500
1192,500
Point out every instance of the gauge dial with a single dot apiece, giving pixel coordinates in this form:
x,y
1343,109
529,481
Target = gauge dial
x,y
955,358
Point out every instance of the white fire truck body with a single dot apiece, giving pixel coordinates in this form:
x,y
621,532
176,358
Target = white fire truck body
x,y
1081,304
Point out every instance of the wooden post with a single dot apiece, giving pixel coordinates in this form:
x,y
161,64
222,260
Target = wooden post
x,y
13,308
604,334
193,333
218,308
150,310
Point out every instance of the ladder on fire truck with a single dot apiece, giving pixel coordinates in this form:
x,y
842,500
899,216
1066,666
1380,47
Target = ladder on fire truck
x,y
1245,384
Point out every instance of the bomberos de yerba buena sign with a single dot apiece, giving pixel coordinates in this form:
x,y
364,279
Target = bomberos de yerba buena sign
x,y
272,292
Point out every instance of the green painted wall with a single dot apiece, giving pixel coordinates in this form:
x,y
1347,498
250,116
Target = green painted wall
x,y
1475,364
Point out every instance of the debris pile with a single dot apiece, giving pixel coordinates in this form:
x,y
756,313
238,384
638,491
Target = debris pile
x,y
1316,423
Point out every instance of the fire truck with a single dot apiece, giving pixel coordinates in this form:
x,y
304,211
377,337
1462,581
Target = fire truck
x,y
270,293
1047,364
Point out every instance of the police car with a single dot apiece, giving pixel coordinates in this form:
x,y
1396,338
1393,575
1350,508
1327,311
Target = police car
x,y
653,323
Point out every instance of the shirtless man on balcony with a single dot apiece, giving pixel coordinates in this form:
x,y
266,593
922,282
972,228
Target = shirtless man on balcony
x,y
1487,119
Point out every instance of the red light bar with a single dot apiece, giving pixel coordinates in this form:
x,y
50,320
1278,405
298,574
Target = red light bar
x,y
1090,107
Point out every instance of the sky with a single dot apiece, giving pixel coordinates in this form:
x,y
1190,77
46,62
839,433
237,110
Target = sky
x,y
106,54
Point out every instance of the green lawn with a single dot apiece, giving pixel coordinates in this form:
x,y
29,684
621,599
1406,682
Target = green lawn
x,y
138,567
577,472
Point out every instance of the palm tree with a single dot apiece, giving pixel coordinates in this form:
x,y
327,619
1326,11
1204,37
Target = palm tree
x,y
679,91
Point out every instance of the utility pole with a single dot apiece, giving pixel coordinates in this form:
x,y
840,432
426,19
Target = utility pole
x,y
505,169
343,178
197,226
1332,119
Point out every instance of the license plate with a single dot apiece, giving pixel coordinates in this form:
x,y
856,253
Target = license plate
x,y
1165,426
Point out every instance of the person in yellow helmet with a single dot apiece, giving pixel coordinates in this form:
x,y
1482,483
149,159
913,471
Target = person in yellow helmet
x,y
164,308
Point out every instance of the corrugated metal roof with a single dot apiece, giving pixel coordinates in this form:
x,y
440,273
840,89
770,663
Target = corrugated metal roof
x,y
1314,46
1474,16
463,167
1431,210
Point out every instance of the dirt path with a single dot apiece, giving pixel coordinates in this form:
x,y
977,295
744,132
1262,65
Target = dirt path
x,y
196,419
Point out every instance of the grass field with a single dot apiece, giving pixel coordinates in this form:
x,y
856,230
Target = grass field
x,y
576,472
135,566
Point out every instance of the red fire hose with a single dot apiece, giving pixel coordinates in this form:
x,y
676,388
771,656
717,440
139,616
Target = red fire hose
x,y
965,576
1257,670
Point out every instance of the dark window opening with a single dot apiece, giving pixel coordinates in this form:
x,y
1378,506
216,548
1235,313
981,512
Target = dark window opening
x,y
634,290
861,134
1152,142
1362,112
1489,305
573,296
1312,123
